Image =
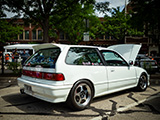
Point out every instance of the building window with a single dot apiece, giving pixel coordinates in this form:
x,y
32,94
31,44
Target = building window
x,y
61,35
39,34
106,36
26,34
112,38
100,36
67,36
34,34
21,35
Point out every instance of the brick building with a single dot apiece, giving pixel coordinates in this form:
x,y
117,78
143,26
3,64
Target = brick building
x,y
30,33
33,34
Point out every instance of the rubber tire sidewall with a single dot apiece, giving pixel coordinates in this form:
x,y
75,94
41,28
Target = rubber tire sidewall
x,y
70,101
138,86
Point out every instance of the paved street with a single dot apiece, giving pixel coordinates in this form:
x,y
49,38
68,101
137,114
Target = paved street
x,y
148,110
126,105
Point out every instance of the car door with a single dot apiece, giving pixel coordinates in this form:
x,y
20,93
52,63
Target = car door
x,y
120,74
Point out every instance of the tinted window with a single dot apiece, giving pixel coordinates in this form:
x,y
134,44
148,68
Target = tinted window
x,y
113,59
83,56
45,58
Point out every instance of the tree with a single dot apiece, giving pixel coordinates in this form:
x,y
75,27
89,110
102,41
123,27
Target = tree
x,y
40,10
118,25
8,31
96,28
145,15
75,24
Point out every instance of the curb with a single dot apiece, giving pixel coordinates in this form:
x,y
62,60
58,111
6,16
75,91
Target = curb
x,y
7,81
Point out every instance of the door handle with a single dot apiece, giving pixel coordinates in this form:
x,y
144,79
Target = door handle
x,y
112,70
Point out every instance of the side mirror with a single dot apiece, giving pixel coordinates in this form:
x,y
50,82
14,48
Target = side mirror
x,y
130,62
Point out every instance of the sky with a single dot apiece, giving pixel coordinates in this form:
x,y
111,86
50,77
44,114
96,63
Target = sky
x,y
113,3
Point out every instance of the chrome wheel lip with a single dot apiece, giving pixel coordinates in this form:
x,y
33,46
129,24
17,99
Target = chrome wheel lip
x,y
82,94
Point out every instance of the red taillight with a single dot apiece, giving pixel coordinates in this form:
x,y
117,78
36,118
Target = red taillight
x,y
54,76
39,75
42,75
48,76
59,77
29,73
23,72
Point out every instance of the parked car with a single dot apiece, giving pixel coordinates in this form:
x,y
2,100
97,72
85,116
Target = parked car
x,y
147,63
157,58
77,74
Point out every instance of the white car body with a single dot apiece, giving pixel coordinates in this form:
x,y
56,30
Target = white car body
x,y
105,79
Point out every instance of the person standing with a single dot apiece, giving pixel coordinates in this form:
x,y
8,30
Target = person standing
x,y
24,56
15,55
6,58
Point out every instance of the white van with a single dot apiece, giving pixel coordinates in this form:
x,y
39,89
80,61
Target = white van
x,y
20,47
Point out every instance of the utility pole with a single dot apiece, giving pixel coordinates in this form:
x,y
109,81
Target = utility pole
x,y
125,9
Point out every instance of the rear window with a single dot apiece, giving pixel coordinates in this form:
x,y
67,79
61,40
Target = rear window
x,y
44,58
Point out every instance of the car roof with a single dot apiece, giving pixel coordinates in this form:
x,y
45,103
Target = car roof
x,y
20,46
127,51
62,46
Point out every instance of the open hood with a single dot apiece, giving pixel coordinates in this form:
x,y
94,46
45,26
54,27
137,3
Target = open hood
x,y
127,51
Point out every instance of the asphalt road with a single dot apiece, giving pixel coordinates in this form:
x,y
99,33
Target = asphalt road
x,y
126,105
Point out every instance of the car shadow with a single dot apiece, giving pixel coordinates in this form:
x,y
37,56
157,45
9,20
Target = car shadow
x,y
29,105
33,106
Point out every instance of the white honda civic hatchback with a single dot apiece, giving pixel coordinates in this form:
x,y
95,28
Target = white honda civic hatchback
x,y
76,74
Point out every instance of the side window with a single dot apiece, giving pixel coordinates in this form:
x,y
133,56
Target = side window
x,y
83,56
113,59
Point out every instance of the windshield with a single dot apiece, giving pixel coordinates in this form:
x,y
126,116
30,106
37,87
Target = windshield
x,y
44,58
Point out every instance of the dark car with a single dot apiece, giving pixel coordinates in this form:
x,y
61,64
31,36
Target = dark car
x,y
157,58
147,63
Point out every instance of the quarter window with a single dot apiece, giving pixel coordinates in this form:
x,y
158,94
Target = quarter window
x,y
83,56
113,59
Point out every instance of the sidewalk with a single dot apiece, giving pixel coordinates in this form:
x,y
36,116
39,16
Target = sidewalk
x,y
8,79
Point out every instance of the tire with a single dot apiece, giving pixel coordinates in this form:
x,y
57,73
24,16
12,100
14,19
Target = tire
x,y
80,95
143,83
22,91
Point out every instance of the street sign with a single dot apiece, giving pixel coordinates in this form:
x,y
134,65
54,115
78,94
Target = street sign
x,y
86,36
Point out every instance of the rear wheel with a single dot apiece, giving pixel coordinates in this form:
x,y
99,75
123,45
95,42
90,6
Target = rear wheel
x,y
22,91
142,85
81,95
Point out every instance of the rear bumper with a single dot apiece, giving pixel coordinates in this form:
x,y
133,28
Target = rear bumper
x,y
50,93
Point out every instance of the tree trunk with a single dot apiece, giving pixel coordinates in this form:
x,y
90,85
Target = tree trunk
x,y
45,27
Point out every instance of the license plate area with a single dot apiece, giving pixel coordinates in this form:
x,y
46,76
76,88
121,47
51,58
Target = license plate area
x,y
27,88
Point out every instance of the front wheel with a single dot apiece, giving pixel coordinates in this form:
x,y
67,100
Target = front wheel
x,y
81,95
143,83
